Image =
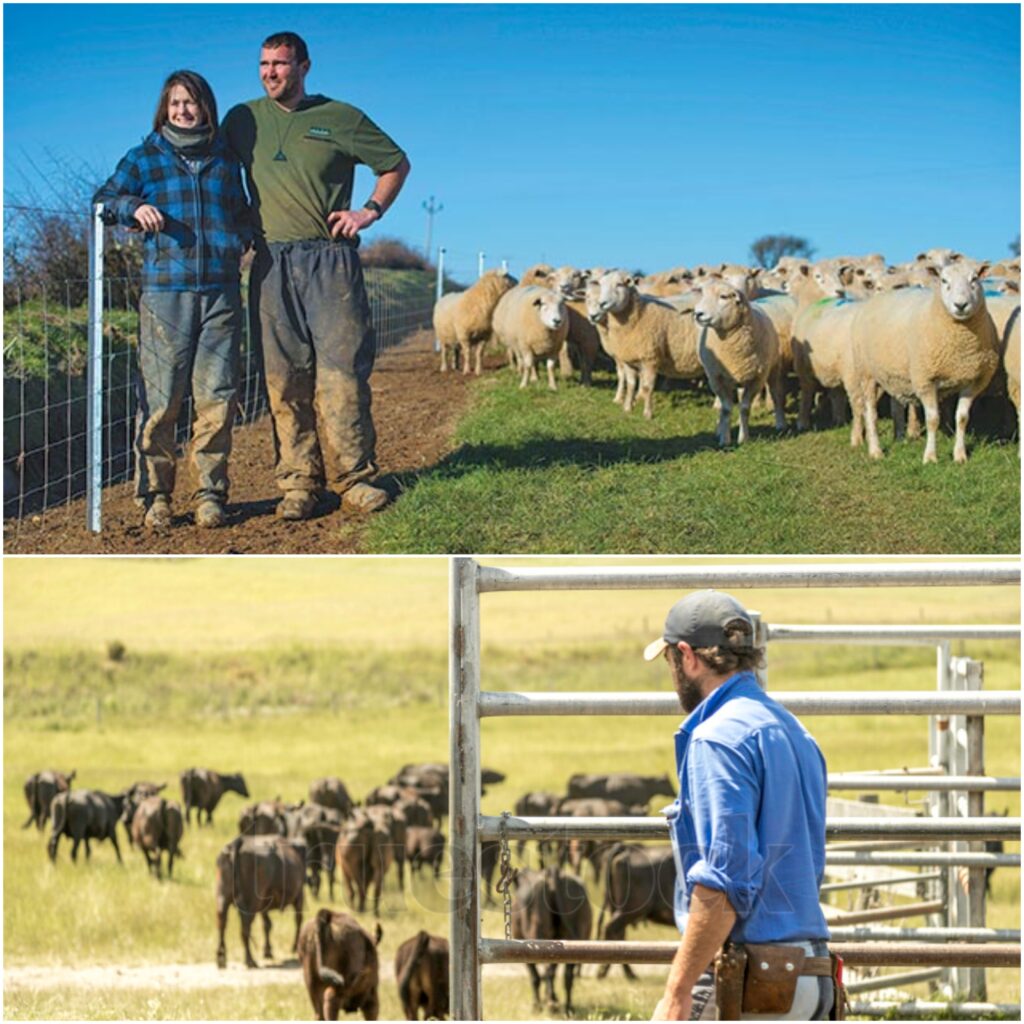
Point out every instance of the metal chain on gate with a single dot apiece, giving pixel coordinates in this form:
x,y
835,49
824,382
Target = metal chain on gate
x,y
504,885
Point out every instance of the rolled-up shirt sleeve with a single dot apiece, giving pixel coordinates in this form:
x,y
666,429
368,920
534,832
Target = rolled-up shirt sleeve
x,y
726,787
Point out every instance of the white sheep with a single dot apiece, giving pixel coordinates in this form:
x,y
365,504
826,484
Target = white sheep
x,y
926,343
1004,309
532,322
650,335
625,375
463,319
539,273
738,349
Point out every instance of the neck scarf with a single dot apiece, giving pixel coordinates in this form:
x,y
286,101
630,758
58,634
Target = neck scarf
x,y
190,142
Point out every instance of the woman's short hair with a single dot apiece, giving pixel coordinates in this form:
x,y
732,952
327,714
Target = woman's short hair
x,y
197,87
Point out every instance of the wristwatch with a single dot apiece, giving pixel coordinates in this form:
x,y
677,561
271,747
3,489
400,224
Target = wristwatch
x,y
372,204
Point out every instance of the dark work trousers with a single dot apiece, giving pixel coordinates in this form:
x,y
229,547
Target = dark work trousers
x,y
187,337
308,304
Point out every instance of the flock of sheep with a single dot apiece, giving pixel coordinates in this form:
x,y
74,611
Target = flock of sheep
x,y
851,328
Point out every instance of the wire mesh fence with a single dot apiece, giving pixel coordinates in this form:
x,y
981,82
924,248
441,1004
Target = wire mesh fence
x,y
46,330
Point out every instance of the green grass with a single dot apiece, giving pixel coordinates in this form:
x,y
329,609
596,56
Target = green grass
x,y
570,472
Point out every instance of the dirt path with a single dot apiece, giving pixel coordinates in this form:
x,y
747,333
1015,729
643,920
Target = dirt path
x,y
415,409
156,976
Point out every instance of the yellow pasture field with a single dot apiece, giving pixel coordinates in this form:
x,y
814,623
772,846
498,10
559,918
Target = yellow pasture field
x,y
236,604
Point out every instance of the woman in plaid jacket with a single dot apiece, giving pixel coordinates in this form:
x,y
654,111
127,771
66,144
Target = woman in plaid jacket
x,y
183,188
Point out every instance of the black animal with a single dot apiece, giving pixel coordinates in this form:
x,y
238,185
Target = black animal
x,y
360,861
258,874
537,805
266,818
627,789
550,905
40,789
331,792
82,815
424,845
421,971
133,796
321,840
490,853
639,885
575,851
202,789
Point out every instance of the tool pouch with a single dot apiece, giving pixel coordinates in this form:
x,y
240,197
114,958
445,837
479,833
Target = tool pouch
x,y
772,974
839,1000
730,969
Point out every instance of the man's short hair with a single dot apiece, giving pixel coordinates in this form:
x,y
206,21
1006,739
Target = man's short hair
x,y
292,39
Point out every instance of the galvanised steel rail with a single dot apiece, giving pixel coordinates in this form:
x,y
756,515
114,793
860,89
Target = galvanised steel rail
x,y
934,1011
883,574
873,933
841,858
469,581
896,635
855,954
493,704
917,829
925,783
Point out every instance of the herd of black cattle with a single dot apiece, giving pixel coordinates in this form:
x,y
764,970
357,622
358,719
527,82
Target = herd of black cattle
x,y
281,848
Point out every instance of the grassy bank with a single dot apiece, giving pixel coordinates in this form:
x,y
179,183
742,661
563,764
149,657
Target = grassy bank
x,y
570,472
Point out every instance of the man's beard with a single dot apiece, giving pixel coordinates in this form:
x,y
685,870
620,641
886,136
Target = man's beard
x,y
686,687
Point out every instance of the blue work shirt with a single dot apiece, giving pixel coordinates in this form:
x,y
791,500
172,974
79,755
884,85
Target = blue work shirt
x,y
749,820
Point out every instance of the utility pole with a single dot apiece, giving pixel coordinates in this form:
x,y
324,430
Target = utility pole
x,y
431,207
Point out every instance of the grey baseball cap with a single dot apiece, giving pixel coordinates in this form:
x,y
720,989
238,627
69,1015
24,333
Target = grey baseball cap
x,y
700,619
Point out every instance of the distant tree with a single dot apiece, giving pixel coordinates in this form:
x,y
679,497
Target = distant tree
x,y
768,249
46,240
1015,245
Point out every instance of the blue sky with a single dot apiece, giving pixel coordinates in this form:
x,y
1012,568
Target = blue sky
x,y
635,135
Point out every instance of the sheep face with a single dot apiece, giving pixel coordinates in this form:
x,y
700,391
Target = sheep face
x,y
550,307
722,305
568,281
592,297
616,288
960,287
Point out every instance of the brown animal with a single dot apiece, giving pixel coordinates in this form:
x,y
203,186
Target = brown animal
x,y
340,966
414,812
133,796
331,792
575,851
83,815
421,971
258,874
390,828
424,845
537,805
639,886
359,859
202,789
490,852
550,905
266,818
155,824
40,789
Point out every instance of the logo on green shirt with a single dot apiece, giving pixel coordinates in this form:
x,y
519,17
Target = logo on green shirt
x,y
318,133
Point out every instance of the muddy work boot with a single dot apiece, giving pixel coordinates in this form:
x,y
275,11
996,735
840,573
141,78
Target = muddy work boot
x,y
210,514
158,515
297,505
363,497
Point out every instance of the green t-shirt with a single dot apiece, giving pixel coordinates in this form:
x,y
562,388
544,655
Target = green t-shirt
x,y
300,165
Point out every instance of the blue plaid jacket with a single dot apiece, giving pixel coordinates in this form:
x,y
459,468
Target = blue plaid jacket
x,y
206,216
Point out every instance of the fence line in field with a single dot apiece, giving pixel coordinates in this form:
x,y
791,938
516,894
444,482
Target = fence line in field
x,y
68,364
955,711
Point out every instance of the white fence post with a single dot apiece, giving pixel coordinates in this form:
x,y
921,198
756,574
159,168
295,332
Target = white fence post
x,y
480,263
94,375
464,795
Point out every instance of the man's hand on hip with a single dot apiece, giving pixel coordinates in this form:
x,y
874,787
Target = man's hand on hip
x,y
348,223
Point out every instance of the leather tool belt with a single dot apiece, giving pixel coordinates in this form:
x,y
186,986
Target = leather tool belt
x,y
762,978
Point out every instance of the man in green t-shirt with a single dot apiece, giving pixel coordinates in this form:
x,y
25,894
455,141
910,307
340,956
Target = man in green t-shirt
x,y
307,297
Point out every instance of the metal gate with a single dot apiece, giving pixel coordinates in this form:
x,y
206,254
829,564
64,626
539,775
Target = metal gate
x,y
956,711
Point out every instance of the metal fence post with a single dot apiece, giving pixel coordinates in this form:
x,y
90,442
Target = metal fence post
x,y
439,289
480,263
464,797
94,374
938,802
760,640
974,726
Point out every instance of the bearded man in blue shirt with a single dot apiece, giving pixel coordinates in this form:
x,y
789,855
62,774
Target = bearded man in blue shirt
x,y
747,829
